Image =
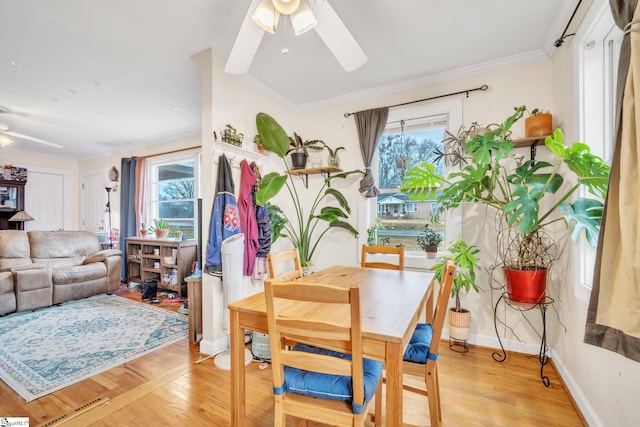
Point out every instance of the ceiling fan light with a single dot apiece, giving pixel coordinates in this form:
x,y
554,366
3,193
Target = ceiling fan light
x,y
5,141
302,20
286,7
266,17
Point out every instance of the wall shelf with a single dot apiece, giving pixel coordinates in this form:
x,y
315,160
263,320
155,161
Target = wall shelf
x,y
531,142
325,171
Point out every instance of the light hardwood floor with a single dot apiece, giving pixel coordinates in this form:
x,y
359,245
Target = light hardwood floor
x,y
168,388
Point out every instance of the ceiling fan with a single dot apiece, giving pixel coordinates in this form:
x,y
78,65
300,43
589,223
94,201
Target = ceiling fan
x,y
6,132
263,15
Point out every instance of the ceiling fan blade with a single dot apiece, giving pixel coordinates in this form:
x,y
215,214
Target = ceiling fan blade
x,y
34,139
246,44
337,37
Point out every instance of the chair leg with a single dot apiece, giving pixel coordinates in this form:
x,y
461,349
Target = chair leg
x,y
279,417
433,395
437,381
378,402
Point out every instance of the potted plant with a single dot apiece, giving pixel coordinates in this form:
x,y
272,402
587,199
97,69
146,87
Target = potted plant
x,y
493,175
307,224
160,228
231,136
143,230
372,232
258,142
429,240
177,234
333,160
465,260
299,150
538,123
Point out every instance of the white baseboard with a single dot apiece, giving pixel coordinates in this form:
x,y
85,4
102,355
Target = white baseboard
x,y
214,347
576,392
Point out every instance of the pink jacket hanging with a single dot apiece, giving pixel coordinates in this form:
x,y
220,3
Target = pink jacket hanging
x,y
248,223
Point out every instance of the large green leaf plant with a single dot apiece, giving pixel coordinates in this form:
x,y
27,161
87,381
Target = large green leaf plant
x,y
303,227
489,173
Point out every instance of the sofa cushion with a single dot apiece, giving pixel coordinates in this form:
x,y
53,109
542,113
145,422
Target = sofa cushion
x,y
78,273
62,244
59,249
14,249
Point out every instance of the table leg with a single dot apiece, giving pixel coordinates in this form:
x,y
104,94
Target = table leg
x,y
236,344
393,366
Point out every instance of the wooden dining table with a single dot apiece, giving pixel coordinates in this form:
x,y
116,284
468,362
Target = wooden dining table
x,y
391,302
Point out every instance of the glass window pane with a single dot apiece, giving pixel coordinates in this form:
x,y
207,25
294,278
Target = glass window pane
x,y
403,218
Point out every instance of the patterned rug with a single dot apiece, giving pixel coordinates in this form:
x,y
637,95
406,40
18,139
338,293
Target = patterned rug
x,y
51,348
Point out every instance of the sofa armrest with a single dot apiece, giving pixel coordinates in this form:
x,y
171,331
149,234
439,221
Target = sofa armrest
x,y
112,258
97,257
22,267
110,252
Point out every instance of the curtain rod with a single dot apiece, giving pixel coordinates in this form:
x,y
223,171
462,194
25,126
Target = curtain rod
x,y
564,35
482,88
173,151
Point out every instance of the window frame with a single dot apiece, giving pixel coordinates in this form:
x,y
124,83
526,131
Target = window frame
x,y
597,62
153,201
453,219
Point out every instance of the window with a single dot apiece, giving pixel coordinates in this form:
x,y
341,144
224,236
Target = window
x,y
171,190
411,136
598,49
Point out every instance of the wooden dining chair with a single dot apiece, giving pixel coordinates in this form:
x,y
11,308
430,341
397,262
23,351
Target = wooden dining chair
x,y
324,377
421,355
275,262
386,250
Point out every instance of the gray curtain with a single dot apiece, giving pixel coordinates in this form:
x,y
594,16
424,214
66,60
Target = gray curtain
x,y
612,320
370,124
128,227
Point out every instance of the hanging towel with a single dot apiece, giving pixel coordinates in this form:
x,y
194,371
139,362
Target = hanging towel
x,y
248,224
225,218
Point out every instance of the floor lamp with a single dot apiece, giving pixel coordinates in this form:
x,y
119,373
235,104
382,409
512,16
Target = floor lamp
x,y
109,186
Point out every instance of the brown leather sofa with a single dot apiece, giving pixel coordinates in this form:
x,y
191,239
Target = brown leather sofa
x,y
42,268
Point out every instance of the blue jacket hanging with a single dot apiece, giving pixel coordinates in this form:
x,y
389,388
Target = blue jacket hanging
x,y
225,217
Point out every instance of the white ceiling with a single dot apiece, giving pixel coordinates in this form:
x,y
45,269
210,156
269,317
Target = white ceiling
x,y
96,76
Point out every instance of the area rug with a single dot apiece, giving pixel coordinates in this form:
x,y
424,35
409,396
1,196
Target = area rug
x,y
54,347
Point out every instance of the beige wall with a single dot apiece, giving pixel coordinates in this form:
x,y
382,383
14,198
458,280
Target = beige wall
x,y
603,384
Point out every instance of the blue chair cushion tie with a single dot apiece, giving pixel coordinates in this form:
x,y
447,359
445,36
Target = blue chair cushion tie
x,y
418,349
334,387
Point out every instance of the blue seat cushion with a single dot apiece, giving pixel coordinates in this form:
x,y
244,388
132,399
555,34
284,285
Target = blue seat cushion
x,y
334,387
418,349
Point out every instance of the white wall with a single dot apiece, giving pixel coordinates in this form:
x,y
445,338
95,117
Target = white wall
x,y
604,382
69,168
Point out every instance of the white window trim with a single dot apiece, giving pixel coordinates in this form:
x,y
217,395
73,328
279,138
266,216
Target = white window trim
x,y
596,121
194,155
453,217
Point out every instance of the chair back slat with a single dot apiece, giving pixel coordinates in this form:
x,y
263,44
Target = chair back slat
x,y
385,250
291,259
